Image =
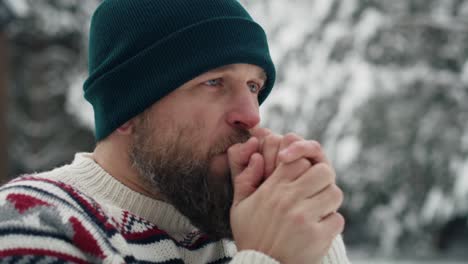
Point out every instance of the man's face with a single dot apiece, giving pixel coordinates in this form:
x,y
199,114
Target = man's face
x,y
180,143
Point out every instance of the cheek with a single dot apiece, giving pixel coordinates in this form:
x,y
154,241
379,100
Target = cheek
x,y
207,123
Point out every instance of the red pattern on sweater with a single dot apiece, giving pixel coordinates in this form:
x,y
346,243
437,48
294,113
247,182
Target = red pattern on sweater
x,y
23,202
84,240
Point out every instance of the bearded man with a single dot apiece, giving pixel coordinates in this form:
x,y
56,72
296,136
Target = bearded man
x,y
181,172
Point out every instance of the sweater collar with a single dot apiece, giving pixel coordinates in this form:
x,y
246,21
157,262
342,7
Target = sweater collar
x,y
94,181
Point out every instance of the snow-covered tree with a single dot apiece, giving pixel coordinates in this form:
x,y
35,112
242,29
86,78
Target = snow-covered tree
x,y
47,53
383,85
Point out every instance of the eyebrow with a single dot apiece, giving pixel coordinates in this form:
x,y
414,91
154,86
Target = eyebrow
x,y
261,75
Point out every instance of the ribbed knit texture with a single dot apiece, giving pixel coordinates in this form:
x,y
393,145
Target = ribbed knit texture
x,y
250,256
139,51
81,214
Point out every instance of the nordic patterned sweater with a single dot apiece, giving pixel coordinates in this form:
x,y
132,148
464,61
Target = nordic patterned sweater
x,y
78,213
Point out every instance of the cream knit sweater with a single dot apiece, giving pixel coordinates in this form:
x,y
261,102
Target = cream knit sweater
x,y
81,214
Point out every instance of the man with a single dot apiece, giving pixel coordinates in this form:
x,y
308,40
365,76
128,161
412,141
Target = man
x,y
181,172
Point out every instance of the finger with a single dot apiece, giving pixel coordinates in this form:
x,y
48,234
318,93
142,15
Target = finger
x,y
239,155
332,225
287,140
249,179
270,148
309,149
289,172
326,202
260,132
313,181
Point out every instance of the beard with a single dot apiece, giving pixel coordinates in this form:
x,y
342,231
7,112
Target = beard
x,y
171,161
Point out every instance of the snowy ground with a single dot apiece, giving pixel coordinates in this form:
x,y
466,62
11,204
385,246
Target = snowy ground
x,y
360,257
389,261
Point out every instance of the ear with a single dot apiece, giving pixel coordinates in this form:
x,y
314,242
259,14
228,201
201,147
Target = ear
x,y
126,128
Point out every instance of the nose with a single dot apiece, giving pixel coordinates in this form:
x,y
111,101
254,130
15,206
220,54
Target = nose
x,y
244,112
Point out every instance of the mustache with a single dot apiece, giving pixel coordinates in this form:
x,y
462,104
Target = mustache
x,y
238,136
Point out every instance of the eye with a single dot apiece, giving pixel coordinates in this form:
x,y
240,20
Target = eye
x,y
213,82
255,88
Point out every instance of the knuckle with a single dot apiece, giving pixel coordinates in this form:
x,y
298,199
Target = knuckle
x,y
272,139
304,164
300,168
327,172
336,224
315,144
340,222
291,137
322,167
337,193
301,145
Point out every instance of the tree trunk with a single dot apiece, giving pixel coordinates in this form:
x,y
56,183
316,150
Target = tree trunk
x,y
3,109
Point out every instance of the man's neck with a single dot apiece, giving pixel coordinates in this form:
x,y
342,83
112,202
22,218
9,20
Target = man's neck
x,y
113,156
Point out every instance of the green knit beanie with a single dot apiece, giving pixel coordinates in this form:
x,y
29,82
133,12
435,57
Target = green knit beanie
x,y
141,50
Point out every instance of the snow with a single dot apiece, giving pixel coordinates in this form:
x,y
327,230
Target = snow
x,y
360,88
464,74
393,261
437,207
77,105
348,149
367,27
292,34
19,7
388,215
461,181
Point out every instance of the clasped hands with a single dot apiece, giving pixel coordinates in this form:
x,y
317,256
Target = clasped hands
x,y
285,197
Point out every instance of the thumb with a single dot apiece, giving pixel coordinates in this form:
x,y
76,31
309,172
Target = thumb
x,y
239,155
249,179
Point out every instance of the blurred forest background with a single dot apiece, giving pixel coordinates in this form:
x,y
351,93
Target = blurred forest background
x,y
383,85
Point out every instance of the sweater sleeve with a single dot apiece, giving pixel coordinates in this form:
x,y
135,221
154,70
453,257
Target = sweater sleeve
x,y
38,222
252,257
336,255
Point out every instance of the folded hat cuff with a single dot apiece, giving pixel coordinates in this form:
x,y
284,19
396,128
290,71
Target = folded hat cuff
x,y
132,86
